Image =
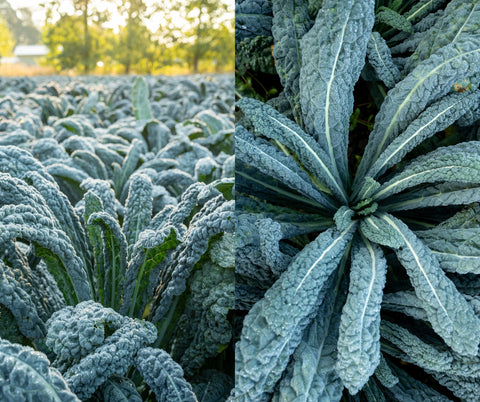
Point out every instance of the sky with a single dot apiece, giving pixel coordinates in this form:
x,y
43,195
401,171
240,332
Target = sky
x,y
38,12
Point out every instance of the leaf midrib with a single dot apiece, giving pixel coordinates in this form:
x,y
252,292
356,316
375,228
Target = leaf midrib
x,y
417,260
409,95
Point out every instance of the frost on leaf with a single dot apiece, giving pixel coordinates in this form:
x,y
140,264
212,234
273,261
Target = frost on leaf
x,y
25,372
164,376
92,343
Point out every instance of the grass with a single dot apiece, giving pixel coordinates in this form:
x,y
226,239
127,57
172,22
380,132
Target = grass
x,y
22,70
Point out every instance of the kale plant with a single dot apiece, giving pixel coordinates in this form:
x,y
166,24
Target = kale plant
x,y
116,239
255,73
356,281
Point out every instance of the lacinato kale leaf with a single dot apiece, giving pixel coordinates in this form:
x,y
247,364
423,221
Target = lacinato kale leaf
x,y
26,373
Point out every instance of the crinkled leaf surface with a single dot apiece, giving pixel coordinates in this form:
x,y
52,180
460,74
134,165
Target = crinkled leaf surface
x,y
447,310
359,334
273,327
25,372
333,54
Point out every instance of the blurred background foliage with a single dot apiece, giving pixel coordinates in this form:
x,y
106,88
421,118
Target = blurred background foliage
x,y
119,36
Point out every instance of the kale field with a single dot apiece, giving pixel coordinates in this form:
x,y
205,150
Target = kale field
x,y
116,237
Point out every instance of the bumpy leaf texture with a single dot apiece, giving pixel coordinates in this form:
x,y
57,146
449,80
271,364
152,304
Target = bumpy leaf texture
x,y
25,373
100,356
291,21
269,160
359,335
415,92
164,376
141,104
333,54
272,124
447,310
273,327
460,20
311,375
380,58
204,325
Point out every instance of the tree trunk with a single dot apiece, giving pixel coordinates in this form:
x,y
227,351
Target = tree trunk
x,y
128,62
195,62
196,48
86,38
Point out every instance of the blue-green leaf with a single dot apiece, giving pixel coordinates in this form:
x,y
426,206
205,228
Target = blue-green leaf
x,y
435,118
410,389
457,163
447,310
459,21
120,389
274,326
457,250
141,104
424,354
164,376
421,8
271,161
384,374
442,194
311,375
420,88
390,17
333,54
380,58
138,208
271,124
359,334
114,256
290,22
25,372
121,174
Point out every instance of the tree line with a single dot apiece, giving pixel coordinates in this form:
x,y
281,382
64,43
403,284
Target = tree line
x,y
80,40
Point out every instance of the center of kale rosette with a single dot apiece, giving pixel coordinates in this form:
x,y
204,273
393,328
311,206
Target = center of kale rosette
x,y
345,214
